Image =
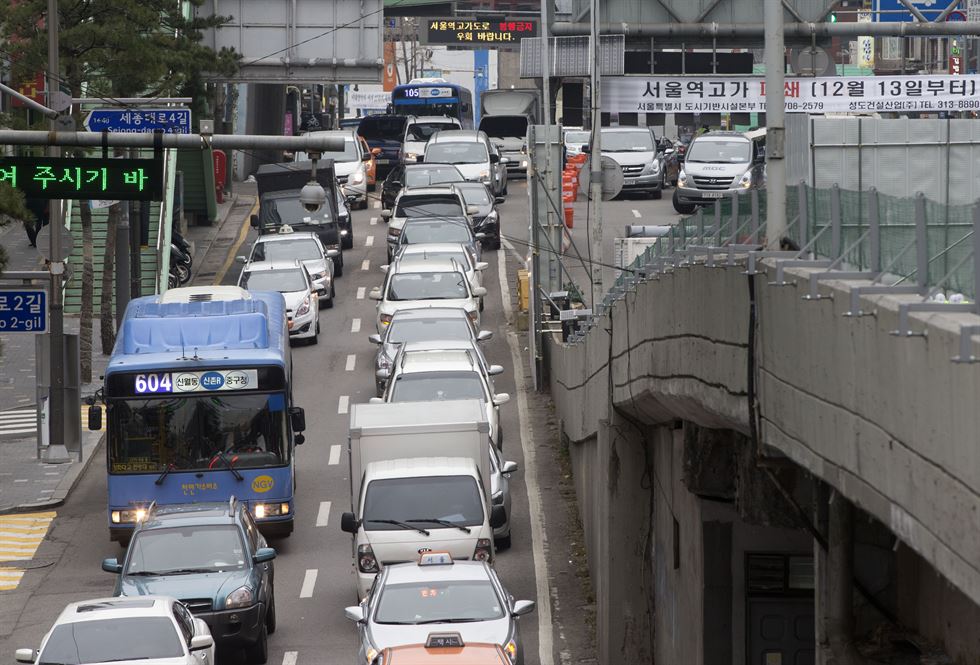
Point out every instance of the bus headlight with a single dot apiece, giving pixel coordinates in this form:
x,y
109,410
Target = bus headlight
x,y
262,510
130,516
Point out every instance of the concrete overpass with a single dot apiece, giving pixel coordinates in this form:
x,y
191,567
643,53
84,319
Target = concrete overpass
x,y
760,472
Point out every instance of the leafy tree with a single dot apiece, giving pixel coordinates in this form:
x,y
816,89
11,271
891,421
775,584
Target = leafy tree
x,y
111,49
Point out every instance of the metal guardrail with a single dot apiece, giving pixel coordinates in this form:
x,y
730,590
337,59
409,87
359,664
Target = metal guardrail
x,y
901,246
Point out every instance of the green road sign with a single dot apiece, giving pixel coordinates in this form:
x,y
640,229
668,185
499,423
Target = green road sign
x,y
84,177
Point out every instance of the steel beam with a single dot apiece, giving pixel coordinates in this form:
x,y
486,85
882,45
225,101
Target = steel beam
x,y
189,141
709,31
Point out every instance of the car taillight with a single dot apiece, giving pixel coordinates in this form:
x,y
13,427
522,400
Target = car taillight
x,y
366,562
483,551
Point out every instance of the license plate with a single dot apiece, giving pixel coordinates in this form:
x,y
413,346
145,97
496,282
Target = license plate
x,y
714,195
383,161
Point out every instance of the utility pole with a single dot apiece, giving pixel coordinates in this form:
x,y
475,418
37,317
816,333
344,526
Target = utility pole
x,y
595,159
775,124
554,225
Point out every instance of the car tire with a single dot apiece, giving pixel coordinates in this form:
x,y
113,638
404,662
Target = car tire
x,y
328,303
505,187
338,266
348,241
258,653
495,244
270,614
657,194
682,208
502,543
364,204
481,304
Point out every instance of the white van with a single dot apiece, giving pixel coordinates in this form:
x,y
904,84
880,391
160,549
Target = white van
x,y
717,164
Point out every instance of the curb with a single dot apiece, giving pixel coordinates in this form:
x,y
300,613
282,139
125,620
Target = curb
x,y
64,488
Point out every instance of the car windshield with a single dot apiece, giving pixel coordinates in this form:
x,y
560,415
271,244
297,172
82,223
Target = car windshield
x,y
477,196
208,547
580,138
453,499
437,386
423,131
105,640
715,151
435,601
429,232
457,153
427,286
279,211
421,330
638,141
429,206
199,432
283,281
304,249
432,175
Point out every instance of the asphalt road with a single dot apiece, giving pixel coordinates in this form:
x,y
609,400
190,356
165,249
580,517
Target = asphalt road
x,y
314,574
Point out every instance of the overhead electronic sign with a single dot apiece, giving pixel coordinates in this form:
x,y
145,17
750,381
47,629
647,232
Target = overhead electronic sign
x,y
467,31
84,177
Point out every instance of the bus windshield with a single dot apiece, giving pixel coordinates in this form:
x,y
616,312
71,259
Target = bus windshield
x,y
197,432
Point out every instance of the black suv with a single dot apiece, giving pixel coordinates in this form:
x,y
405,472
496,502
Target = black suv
x,y
211,557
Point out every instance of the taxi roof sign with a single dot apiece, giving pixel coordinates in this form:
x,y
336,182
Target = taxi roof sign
x,y
444,640
435,559
285,228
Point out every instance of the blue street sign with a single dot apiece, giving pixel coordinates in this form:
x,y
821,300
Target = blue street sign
x,y
138,121
23,311
896,12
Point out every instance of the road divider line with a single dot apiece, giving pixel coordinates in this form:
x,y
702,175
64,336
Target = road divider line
x,y
373,221
510,247
239,240
323,516
360,292
334,458
351,360
366,264
289,657
539,538
309,581
369,241
636,213
343,404
355,325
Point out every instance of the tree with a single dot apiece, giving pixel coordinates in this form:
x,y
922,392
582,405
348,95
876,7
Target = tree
x,y
111,49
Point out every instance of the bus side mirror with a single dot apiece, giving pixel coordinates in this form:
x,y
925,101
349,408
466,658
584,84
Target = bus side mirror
x,y
297,418
464,107
95,417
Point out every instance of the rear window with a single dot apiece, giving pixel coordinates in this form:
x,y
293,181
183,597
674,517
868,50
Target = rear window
x,y
423,131
429,206
432,175
391,127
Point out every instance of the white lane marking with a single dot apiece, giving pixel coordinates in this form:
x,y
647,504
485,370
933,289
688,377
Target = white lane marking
x,y
334,458
361,290
309,581
4,430
539,539
355,325
510,247
373,221
351,359
369,241
343,404
366,264
323,516
636,213
289,657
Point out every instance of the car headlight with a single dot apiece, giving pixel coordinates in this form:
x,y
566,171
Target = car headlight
x,y
652,167
371,655
262,510
484,175
384,362
304,308
523,163
474,317
491,218
358,177
318,275
411,156
385,319
240,597
394,232
746,180
682,179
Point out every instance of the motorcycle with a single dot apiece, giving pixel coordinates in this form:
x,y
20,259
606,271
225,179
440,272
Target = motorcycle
x,y
180,264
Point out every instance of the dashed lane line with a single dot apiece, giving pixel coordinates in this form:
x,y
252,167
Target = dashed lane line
x,y
361,290
636,213
343,404
323,515
373,221
351,360
355,325
10,578
309,581
334,458
369,241
366,264
20,536
289,657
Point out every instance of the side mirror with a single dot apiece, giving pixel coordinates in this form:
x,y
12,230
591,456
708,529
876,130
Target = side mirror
x,y
332,253
586,149
297,418
375,338
383,374
299,439
386,214
522,607
480,236
95,418
494,158
499,199
241,259
472,210
498,517
366,157
501,398
479,291
505,160
669,151
494,370
110,565
24,655
354,613
348,523
508,468
483,335
375,294
264,555
481,265
201,642
419,159
254,221
384,267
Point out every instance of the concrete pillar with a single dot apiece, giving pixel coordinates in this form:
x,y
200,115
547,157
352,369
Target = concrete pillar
x,y
835,580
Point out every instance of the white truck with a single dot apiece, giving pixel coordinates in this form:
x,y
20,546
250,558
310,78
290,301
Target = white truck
x,y
504,116
420,481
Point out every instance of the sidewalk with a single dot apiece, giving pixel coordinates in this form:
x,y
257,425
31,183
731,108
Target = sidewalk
x,y
25,482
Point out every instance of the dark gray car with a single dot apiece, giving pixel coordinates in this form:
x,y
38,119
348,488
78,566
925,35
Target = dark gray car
x,y
487,218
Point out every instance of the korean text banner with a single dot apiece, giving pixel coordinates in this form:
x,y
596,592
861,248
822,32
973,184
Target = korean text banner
x,y
733,94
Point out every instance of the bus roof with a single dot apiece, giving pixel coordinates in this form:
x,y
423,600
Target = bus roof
x,y
157,332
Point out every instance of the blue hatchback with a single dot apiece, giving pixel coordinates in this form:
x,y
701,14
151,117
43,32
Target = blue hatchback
x,y
212,557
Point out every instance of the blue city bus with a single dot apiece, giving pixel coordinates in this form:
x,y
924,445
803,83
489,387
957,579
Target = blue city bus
x,y
198,393
434,97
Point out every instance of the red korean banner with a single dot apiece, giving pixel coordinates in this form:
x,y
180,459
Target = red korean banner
x,y
734,94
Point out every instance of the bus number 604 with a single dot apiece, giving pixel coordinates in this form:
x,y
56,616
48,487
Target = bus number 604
x,y
153,383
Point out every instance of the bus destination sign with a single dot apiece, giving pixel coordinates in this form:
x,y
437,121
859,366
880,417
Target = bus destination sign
x,y
154,383
84,178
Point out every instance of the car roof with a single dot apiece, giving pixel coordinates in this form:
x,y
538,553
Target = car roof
x,y
429,165
457,570
618,130
258,266
423,264
471,654
461,135
346,133
438,345
295,235
413,467
446,188
722,135
433,118
436,360
185,514
118,607
423,249
430,312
